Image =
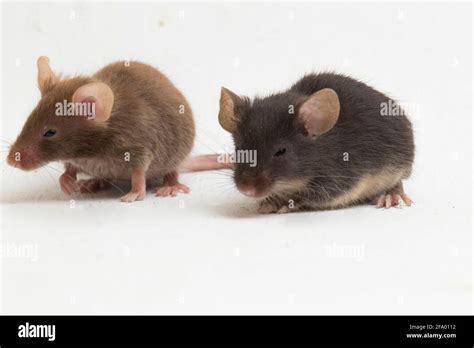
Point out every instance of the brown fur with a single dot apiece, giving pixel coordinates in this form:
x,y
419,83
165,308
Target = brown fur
x,y
145,123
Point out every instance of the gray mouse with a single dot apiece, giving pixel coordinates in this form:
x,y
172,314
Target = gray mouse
x,y
325,143
125,122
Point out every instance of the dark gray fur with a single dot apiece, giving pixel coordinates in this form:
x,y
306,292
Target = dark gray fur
x,y
373,142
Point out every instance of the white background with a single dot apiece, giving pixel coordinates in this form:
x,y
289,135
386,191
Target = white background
x,y
208,252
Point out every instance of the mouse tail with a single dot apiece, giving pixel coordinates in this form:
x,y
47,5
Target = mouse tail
x,y
205,162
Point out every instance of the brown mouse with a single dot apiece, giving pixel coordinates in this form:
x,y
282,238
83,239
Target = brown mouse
x,y
327,142
125,122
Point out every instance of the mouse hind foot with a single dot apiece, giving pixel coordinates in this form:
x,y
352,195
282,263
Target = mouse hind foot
x,y
395,197
171,186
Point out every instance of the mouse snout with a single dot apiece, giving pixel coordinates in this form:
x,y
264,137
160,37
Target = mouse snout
x,y
249,191
255,185
25,159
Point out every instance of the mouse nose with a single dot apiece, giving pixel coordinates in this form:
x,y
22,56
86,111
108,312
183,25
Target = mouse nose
x,y
24,159
249,191
12,159
253,185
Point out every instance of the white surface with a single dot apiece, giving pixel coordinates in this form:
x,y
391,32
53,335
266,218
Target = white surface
x,y
207,252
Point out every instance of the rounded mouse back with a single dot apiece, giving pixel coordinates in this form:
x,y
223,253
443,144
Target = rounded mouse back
x,y
324,142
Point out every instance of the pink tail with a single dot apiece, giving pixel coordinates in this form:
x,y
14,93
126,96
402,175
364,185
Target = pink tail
x,y
204,162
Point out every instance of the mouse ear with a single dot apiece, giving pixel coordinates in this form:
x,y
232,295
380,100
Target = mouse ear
x,y
229,103
46,77
319,112
98,94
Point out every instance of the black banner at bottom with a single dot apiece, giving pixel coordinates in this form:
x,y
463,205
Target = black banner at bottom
x,y
18,331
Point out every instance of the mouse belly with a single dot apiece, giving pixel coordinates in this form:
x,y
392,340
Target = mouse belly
x,y
370,187
103,168
119,170
367,188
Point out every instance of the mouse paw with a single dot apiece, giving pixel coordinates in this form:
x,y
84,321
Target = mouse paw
x,y
92,185
171,190
270,208
133,196
388,200
68,184
395,197
171,186
283,210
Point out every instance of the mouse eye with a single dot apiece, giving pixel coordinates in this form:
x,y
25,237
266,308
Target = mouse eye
x,y
279,152
49,133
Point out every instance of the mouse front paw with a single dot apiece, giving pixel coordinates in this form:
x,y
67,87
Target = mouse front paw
x,y
68,184
272,208
133,196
